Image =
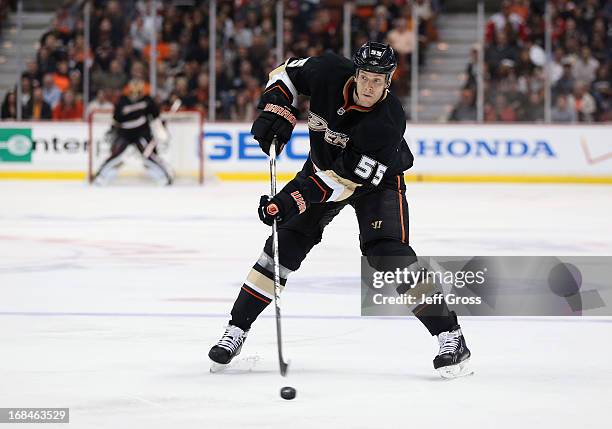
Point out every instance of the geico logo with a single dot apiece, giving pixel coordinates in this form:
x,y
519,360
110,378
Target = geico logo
x,y
459,148
224,145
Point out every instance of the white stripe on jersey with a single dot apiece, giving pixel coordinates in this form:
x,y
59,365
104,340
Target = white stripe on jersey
x,y
128,125
129,108
338,188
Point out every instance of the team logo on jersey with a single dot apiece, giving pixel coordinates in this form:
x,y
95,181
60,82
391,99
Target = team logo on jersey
x,y
336,138
316,123
377,224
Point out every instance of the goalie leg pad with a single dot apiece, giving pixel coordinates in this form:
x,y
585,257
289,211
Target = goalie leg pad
x,y
108,171
158,172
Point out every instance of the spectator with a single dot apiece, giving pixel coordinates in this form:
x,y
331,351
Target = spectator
x,y
243,35
566,82
582,102
114,79
402,40
116,17
471,71
51,93
26,89
601,89
505,18
37,108
60,77
563,111
188,100
585,67
75,82
174,63
534,109
101,102
501,50
68,108
556,66
505,111
516,34
425,15
33,72
199,52
140,34
9,106
44,60
466,109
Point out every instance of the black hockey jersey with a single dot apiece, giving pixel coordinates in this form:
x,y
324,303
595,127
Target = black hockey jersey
x,y
132,117
354,149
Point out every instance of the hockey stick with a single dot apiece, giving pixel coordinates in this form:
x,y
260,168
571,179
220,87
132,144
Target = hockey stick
x,y
279,341
153,143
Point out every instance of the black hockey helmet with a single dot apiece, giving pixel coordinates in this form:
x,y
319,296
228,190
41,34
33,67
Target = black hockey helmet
x,y
375,57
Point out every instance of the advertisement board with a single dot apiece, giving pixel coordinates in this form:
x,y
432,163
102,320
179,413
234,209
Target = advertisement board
x,y
507,153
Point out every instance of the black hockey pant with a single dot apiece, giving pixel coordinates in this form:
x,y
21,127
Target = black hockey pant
x,y
383,231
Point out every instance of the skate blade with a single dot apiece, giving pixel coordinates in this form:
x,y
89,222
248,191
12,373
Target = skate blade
x,y
237,365
462,369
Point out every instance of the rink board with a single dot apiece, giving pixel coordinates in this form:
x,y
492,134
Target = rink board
x,y
443,153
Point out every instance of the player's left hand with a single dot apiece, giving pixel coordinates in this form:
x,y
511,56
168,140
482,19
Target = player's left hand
x,y
269,210
283,206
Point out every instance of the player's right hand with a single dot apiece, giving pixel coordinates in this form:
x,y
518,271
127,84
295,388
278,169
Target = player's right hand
x,y
276,121
278,117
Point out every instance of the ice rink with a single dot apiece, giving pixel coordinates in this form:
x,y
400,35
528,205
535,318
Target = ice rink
x,y
111,298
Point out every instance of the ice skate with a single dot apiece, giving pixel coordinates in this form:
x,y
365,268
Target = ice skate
x,y
227,348
453,358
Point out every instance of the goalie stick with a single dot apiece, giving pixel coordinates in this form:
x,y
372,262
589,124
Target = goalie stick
x,y
159,130
279,340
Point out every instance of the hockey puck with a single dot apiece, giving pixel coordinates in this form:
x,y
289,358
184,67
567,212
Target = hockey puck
x,y
287,392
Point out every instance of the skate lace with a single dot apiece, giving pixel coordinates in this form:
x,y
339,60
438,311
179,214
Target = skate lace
x,y
232,338
449,341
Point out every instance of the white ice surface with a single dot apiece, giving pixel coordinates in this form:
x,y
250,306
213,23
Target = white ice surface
x,y
111,297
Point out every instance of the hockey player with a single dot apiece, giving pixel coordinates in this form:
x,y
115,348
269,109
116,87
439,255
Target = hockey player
x,y
357,156
136,121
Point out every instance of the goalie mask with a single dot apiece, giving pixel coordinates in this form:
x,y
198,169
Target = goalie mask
x,y
136,89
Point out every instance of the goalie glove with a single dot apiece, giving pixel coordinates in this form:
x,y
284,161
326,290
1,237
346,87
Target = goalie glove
x,y
111,134
278,117
159,131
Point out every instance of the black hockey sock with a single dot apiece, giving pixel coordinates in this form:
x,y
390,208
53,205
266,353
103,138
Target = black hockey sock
x,y
248,305
436,317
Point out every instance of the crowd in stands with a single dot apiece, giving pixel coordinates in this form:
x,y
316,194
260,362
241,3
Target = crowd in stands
x,y
514,69
5,7
52,84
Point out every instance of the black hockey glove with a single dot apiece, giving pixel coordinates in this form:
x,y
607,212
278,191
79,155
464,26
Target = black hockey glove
x,y
278,117
281,207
